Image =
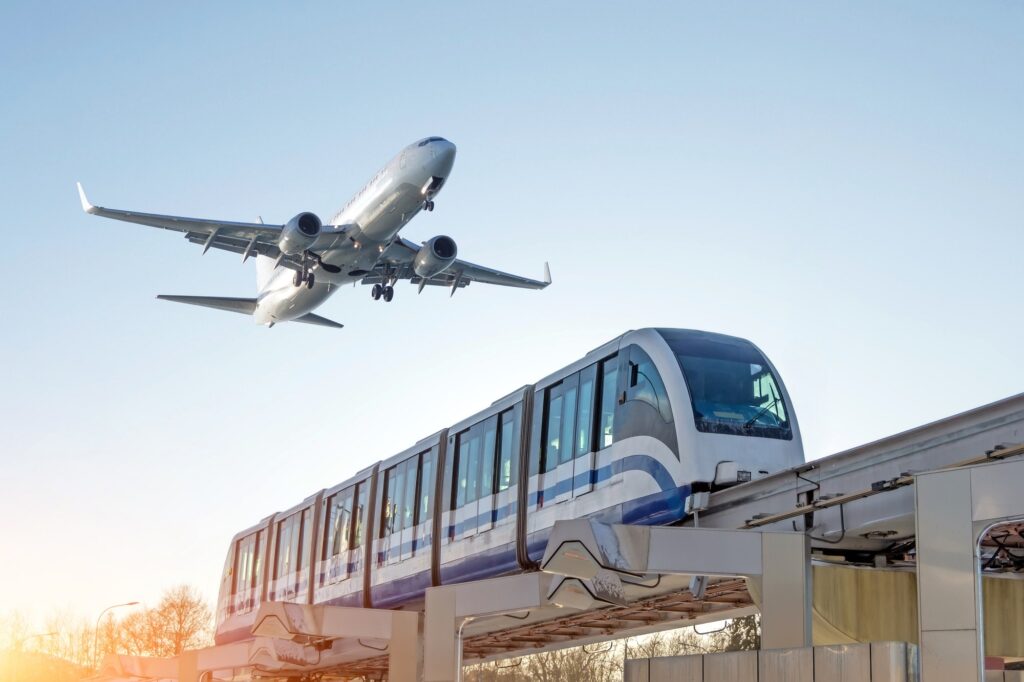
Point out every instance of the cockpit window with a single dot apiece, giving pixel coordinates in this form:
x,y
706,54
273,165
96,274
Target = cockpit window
x,y
428,140
732,388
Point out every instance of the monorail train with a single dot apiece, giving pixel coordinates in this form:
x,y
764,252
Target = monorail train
x,y
625,435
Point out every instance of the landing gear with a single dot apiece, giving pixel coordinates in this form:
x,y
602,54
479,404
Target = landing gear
x,y
387,292
428,205
304,277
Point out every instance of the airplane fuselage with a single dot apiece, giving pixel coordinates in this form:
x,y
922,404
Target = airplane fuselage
x,y
351,243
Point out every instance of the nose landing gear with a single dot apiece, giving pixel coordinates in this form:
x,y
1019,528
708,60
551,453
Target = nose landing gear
x,y
428,205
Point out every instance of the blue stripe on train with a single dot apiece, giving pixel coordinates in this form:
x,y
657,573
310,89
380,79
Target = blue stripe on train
x,y
399,590
645,463
489,564
657,509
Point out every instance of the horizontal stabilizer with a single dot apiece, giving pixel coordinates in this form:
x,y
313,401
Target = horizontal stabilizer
x,y
246,306
310,318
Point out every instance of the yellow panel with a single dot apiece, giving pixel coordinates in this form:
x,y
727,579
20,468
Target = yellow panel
x,y
872,605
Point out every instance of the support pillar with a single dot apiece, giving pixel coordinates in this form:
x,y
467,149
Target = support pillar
x,y
953,510
450,608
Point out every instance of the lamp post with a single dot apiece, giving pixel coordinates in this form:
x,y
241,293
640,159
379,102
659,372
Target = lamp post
x,y
96,631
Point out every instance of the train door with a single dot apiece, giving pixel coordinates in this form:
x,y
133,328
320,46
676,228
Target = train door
x,y
559,426
584,456
468,447
397,507
337,551
485,503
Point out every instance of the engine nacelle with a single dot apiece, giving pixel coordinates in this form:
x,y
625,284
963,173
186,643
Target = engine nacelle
x,y
299,233
435,256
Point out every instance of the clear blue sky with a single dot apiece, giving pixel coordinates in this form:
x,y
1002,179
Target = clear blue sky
x,y
840,183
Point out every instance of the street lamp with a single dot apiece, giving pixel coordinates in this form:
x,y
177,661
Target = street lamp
x,y
96,631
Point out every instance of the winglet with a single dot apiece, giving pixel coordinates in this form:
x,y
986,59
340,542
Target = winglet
x,y
547,274
86,206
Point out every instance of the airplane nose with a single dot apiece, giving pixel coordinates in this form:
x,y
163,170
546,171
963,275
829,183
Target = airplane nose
x,y
444,156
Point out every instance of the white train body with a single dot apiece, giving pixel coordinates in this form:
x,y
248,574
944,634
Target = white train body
x,y
625,434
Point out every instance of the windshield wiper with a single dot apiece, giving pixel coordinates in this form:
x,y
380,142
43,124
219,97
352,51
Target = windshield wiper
x,y
750,422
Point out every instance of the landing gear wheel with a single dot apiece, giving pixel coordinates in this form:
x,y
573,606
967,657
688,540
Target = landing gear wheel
x,y
297,279
376,292
389,293
428,205
310,279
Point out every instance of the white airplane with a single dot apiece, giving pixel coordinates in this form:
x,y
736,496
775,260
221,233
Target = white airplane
x,y
301,263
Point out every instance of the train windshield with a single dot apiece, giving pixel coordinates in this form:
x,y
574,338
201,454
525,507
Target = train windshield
x,y
731,386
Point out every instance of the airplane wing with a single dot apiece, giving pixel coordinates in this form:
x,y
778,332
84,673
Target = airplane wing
x,y
461,273
244,238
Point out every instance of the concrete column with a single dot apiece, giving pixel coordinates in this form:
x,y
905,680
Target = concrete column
x,y
405,651
450,607
953,508
946,603
785,588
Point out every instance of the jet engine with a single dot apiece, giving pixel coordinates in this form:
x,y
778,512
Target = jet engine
x,y
434,257
299,233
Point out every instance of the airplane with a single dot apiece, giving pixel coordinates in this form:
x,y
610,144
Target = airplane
x,y
301,263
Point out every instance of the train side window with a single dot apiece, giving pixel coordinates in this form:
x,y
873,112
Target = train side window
x,y
426,510
570,394
257,572
359,513
553,427
609,398
288,539
388,503
408,499
469,454
244,555
305,542
585,410
487,457
473,465
644,383
339,523
508,448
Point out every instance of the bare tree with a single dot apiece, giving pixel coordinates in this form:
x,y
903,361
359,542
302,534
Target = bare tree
x,y
180,621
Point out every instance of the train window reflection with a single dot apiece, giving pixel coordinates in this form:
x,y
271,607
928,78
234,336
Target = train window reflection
x,y
732,388
645,384
585,411
359,513
508,456
609,398
426,486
